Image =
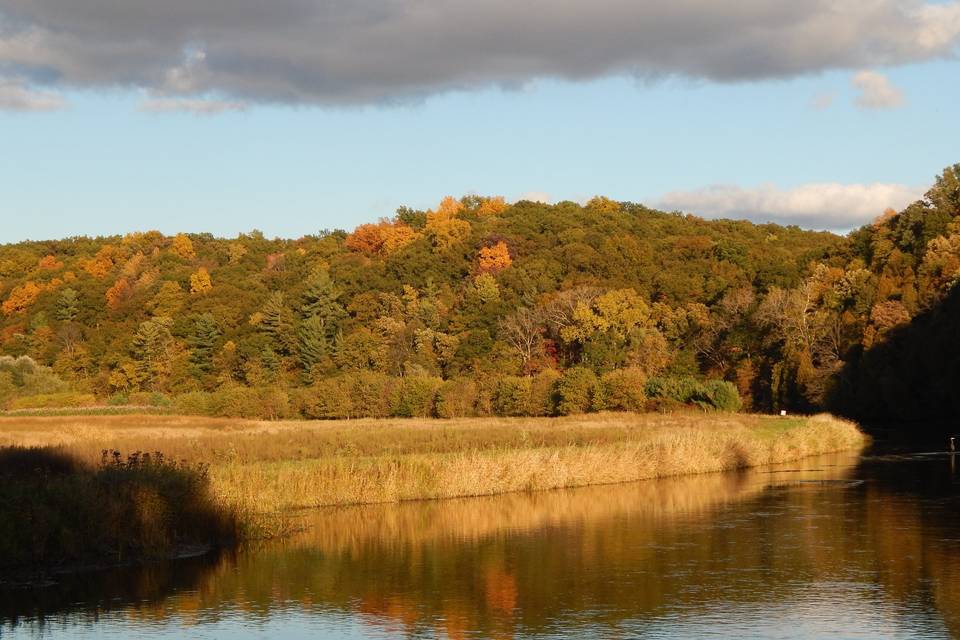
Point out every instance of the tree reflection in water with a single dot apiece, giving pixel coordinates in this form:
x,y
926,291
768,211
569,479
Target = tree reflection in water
x,y
806,542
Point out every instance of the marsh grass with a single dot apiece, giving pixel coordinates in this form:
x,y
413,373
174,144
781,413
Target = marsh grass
x,y
57,509
264,467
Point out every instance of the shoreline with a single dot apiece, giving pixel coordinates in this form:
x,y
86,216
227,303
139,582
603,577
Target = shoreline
x,y
262,467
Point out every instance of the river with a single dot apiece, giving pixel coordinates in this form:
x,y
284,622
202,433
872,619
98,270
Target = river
x,y
836,546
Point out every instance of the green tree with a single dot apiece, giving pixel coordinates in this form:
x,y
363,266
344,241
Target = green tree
x,y
203,342
68,305
277,322
151,348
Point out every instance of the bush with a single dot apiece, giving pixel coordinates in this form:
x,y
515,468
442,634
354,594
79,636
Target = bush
x,y
55,509
193,403
370,394
456,398
413,396
511,396
53,401
624,390
710,394
678,389
328,398
27,378
722,395
577,391
543,397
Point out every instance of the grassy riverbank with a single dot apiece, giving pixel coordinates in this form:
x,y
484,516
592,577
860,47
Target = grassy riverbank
x,y
272,466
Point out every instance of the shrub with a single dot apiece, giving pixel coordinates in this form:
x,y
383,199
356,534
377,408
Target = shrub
x,y
329,398
576,391
722,395
543,399
710,394
677,389
193,403
28,378
413,396
456,398
511,396
370,394
65,399
624,389
55,509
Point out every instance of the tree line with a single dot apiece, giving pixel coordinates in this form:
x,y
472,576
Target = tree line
x,y
488,298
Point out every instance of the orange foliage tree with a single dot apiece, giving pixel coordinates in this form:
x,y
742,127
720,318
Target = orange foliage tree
x,y
102,263
380,239
495,258
21,298
50,263
118,294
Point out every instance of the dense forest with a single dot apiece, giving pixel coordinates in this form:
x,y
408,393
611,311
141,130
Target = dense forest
x,y
480,307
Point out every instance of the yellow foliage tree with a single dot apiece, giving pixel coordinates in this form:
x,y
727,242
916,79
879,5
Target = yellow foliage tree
x,y
200,281
603,205
492,206
21,298
182,247
443,227
494,259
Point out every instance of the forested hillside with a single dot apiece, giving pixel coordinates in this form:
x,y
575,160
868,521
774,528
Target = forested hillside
x,y
474,307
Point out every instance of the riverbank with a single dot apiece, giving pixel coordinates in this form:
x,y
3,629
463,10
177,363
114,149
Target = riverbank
x,y
269,467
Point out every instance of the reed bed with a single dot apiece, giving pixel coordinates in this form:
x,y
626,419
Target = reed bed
x,y
275,466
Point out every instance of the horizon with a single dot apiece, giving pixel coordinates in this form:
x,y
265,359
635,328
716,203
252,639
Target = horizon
x,y
347,231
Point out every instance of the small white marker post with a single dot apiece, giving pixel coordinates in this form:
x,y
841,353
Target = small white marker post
x,y
783,413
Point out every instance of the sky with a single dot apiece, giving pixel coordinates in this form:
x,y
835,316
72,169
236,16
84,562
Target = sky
x,y
296,116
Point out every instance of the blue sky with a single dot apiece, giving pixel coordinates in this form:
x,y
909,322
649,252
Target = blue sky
x,y
103,163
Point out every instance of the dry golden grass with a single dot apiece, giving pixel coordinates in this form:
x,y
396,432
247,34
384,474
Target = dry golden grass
x,y
268,466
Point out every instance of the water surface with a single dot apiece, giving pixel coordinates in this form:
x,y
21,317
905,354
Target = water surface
x,y
836,546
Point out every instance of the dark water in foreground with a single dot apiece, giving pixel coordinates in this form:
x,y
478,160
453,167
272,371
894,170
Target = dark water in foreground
x,y
838,546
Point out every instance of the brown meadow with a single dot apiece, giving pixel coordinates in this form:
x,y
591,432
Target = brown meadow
x,y
265,467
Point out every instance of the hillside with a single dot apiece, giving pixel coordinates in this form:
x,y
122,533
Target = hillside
x,y
484,299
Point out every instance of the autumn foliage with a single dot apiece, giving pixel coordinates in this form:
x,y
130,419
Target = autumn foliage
x,y
380,239
495,258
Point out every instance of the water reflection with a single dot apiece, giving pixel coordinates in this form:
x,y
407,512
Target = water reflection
x,y
835,545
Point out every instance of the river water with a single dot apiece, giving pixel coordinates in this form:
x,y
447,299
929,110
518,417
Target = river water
x,y
836,546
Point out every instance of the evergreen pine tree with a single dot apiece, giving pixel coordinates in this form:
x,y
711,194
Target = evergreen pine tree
x,y
68,305
203,341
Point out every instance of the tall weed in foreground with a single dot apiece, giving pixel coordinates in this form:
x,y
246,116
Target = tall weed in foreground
x,y
55,509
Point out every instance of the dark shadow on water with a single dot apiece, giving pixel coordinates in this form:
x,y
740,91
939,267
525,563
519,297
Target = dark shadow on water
x,y
58,513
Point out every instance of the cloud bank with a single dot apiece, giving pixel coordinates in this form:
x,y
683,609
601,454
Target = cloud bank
x,y
830,206
342,52
17,96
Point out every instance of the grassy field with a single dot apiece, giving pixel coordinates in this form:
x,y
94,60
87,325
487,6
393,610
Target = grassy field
x,y
273,466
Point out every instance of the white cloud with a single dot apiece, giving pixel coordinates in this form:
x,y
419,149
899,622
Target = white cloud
x,y
17,96
196,106
369,51
876,91
832,206
536,196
